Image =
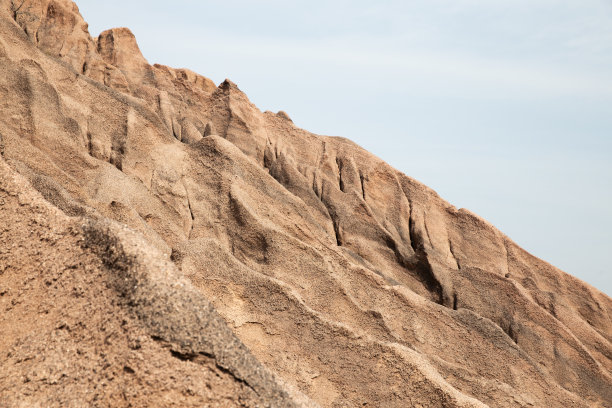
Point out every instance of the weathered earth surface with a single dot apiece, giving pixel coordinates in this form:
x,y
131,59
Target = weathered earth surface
x,y
132,195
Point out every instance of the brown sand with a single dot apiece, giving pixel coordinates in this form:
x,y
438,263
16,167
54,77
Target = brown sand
x,y
351,282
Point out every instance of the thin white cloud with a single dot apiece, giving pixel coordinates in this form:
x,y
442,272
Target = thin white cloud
x,y
456,70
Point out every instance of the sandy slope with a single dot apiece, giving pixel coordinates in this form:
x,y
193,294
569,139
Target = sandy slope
x,y
352,282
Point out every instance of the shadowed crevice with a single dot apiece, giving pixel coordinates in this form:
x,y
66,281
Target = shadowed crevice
x,y
340,181
362,182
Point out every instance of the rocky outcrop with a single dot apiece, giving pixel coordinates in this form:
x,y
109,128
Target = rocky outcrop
x,y
352,282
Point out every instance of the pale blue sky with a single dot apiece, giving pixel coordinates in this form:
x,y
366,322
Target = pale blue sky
x,y
502,106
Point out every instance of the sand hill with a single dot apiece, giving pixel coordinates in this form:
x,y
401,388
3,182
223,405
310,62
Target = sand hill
x,y
165,243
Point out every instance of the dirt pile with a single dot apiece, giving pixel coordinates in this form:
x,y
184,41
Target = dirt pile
x,y
353,283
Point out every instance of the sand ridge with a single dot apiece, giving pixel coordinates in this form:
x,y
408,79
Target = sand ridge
x,y
354,284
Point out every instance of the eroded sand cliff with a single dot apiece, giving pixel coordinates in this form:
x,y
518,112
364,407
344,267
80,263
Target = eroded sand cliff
x,y
131,193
